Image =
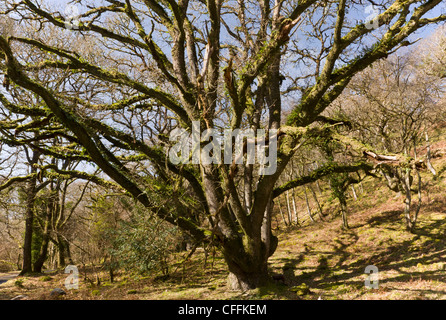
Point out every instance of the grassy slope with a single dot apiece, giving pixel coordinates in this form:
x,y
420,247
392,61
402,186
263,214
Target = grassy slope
x,y
321,256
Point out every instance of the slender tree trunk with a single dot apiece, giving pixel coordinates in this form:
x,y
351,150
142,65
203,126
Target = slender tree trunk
x,y
290,219
281,212
19,260
38,264
417,210
344,213
308,204
407,202
319,187
68,251
415,148
361,188
296,218
31,192
319,208
29,221
62,251
411,218
354,192
52,255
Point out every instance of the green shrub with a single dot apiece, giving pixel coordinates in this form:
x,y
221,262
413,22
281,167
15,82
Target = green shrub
x,y
142,244
45,278
96,293
19,283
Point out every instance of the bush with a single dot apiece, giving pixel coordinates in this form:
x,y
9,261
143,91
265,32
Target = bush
x,y
143,243
96,293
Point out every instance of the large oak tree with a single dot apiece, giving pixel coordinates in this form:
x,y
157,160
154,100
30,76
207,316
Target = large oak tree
x,y
127,72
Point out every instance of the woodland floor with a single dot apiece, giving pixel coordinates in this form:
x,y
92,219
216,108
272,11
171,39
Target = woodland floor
x,y
330,261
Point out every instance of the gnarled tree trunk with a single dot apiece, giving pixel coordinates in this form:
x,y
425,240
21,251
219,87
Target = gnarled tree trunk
x,y
247,261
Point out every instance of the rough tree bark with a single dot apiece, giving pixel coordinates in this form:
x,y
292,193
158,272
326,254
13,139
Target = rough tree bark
x,y
30,194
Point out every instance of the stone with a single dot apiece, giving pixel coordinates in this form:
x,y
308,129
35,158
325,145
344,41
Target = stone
x,y
20,297
57,292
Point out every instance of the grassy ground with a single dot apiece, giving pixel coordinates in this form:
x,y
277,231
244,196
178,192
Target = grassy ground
x,y
318,260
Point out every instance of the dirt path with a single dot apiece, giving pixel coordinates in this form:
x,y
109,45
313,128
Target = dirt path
x,y
8,276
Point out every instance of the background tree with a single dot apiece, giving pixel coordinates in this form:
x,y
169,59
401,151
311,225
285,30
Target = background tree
x,y
394,105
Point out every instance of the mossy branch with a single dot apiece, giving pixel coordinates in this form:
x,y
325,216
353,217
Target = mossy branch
x,y
321,172
14,180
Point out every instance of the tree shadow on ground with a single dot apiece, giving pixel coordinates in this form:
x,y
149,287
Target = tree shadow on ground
x,y
425,248
385,217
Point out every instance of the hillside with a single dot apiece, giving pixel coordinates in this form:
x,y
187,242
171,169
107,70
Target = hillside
x,y
317,260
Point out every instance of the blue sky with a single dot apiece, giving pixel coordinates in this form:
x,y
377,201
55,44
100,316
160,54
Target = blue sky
x,y
440,9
